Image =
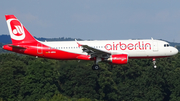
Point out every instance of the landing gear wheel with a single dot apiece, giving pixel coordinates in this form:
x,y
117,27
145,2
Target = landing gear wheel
x,y
95,67
155,66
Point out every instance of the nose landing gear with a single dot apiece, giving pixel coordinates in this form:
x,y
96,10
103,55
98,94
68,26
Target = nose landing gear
x,y
154,63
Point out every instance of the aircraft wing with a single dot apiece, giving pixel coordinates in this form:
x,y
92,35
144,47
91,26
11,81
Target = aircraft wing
x,y
94,52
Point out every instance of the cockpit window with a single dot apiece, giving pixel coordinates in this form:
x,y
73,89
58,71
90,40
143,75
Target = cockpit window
x,y
166,45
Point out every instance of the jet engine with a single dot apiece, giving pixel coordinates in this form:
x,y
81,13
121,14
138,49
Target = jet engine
x,y
118,59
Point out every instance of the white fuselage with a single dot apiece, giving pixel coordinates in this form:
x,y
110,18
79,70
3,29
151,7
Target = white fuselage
x,y
134,48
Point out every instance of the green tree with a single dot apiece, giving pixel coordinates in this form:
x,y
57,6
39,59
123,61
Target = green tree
x,y
39,81
78,79
12,71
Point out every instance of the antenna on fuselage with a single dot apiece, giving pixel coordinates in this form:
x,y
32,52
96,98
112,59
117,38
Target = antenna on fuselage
x,y
152,38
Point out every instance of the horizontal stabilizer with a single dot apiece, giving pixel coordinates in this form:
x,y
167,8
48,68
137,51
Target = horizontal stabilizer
x,y
16,46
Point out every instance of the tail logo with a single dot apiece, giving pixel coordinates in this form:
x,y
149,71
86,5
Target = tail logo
x,y
16,29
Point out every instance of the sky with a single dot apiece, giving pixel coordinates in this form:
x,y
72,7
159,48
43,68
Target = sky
x,y
96,19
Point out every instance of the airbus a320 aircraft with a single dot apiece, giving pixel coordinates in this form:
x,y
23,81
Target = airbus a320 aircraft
x,y
112,51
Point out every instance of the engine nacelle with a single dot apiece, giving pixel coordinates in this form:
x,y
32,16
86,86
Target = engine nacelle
x,y
118,59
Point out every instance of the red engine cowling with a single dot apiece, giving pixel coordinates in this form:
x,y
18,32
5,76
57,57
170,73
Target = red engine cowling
x,y
118,59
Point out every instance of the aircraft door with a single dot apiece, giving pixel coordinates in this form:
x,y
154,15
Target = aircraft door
x,y
155,46
39,48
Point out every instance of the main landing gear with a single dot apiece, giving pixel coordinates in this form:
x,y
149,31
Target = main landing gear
x,y
154,63
96,66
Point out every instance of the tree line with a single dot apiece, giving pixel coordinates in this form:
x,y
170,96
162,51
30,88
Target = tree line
x,y
26,78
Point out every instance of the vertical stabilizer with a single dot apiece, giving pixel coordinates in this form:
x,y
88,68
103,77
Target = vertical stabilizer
x,y
18,33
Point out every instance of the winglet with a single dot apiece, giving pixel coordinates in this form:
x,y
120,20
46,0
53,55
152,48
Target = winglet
x,y
79,45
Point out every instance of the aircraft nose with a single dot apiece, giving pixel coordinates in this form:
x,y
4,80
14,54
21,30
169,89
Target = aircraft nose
x,y
175,51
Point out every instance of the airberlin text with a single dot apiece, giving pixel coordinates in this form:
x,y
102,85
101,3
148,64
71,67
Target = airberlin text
x,y
128,46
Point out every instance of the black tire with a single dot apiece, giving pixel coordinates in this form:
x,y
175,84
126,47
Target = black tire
x,y
95,67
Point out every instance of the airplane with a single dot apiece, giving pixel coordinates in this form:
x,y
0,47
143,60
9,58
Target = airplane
x,y
111,51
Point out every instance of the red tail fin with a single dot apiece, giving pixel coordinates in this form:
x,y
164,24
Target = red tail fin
x,y
18,33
